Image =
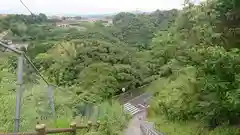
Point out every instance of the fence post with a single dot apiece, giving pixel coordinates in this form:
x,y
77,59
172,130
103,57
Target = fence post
x,y
41,129
97,125
73,125
89,125
51,99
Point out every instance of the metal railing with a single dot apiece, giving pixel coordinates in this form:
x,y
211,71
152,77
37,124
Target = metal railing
x,y
148,128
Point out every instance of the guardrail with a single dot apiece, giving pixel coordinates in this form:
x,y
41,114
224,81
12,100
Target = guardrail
x,y
42,130
147,128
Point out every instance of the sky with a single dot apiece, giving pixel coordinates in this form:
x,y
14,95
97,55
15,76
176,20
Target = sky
x,y
78,7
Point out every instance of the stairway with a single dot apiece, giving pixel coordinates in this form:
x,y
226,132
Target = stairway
x,y
128,107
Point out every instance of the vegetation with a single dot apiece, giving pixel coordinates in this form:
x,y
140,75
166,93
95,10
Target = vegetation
x,y
200,75
189,58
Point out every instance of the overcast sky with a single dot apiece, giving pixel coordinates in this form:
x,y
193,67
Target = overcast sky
x,y
86,6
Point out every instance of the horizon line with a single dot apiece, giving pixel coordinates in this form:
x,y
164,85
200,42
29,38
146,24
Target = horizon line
x,y
84,14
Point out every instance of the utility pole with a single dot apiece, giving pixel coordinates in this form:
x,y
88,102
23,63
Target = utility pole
x,y
51,99
19,92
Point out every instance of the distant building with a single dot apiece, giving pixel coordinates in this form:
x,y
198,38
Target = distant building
x,y
106,21
18,46
3,15
62,25
55,17
66,22
3,34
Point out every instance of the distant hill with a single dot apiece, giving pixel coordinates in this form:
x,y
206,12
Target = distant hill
x,y
98,15
89,15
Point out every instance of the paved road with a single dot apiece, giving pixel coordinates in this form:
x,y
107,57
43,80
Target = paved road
x,y
125,97
134,125
141,99
137,103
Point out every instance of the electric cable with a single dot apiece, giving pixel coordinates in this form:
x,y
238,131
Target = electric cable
x,y
26,7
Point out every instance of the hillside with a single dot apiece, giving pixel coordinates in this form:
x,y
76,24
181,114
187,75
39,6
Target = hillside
x,y
188,58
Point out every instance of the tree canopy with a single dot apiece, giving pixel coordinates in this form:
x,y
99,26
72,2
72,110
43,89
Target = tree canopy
x,y
188,58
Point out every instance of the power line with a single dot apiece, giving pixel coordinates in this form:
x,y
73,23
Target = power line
x,y
36,70
26,57
26,7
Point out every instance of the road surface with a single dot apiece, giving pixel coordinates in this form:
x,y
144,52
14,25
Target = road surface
x,y
134,124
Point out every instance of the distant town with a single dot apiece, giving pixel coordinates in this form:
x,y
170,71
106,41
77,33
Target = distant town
x,y
66,21
63,22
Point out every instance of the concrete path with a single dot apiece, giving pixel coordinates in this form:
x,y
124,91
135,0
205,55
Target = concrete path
x,y
134,124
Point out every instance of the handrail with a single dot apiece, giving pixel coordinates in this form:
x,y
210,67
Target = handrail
x,y
148,130
25,133
41,129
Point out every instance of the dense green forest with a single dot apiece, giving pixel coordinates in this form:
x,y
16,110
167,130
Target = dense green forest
x,y
189,58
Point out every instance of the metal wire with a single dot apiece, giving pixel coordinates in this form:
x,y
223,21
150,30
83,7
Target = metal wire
x,y
19,52
36,70
10,48
50,86
26,7
22,55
